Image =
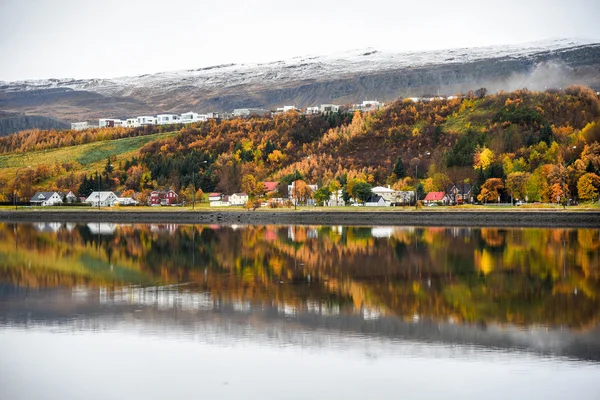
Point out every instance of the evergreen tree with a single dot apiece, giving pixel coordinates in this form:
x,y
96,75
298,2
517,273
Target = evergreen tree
x,y
399,169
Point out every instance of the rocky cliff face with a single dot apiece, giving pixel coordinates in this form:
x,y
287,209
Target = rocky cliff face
x,y
344,78
10,123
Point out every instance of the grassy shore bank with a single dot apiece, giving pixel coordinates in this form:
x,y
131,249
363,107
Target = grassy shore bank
x,y
514,216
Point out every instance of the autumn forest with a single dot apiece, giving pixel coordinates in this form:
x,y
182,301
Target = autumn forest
x,y
543,146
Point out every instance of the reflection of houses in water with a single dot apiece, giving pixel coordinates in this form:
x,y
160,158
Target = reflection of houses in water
x,y
382,232
170,297
298,231
170,228
457,232
102,228
48,226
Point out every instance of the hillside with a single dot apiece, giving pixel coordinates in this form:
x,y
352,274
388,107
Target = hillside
x,y
11,123
342,78
542,145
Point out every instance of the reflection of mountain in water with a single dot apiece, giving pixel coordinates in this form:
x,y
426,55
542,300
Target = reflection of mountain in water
x,y
175,311
486,276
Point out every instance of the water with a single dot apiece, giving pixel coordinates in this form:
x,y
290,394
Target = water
x,y
103,311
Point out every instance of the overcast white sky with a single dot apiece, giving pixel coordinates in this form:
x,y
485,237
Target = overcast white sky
x,y
108,38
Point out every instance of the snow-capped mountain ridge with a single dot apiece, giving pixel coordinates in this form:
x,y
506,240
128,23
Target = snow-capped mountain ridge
x,y
305,68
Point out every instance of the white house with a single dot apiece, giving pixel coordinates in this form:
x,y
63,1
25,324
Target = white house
x,y
325,108
238,199
146,120
109,122
312,110
102,199
190,117
163,119
286,109
376,201
79,126
334,200
47,199
126,201
246,112
368,105
212,115
217,199
131,123
389,195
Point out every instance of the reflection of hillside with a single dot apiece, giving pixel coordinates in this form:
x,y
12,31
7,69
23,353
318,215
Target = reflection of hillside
x,y
517,276
176,310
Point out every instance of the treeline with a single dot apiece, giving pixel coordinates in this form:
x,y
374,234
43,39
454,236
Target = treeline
x,y
36,139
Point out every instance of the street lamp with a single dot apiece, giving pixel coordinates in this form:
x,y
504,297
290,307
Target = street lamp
x,y
418,160
194,185
15,188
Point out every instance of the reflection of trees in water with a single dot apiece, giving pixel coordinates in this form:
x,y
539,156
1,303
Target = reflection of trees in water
x,y
522,276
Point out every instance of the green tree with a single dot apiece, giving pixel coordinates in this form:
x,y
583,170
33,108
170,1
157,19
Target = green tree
x,y
399,168
362,191
322,194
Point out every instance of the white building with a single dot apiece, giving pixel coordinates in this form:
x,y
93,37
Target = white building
x,y
312,110
388,195
190,117
79,126
131,123
238,199
286,109
109,122
212,115
336,200
246,112
368,105
126,201
102,199
146,120
164,119
46,199
326,108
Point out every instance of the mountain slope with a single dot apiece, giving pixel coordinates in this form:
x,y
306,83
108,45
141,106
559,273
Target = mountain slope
x,y
342,78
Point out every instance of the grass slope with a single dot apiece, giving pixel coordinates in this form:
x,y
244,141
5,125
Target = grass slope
x,y
90,156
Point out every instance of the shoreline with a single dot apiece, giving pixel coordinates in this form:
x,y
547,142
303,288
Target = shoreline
x,y
579,219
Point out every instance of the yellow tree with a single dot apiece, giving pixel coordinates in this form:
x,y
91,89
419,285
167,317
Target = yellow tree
x,y
587,187
301,192
249,185
483,158
516,184
490,190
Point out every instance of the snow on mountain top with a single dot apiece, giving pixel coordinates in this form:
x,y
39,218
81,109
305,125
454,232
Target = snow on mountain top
x,y
298,68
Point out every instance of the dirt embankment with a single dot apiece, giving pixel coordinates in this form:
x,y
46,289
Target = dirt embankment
x,y
418,218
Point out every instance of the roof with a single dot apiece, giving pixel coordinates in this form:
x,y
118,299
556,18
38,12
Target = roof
x,y
241,194
103,196
270,186
382,189
46,196
375,199
214,194
434,196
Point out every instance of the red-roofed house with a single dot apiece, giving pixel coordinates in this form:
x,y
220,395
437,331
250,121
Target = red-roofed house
x,y
433,197
215,199
270,186
163,198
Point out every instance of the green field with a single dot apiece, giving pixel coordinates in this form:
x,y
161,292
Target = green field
x,y
89,157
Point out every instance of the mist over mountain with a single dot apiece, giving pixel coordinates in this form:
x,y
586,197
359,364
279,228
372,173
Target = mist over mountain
x,y
342,78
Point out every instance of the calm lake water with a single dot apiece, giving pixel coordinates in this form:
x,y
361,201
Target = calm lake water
x,y
108,311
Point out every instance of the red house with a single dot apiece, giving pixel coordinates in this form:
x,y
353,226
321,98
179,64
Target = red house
x,y
163,198
434,197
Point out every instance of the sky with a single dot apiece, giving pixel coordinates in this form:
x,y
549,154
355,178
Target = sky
x,y
110,38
